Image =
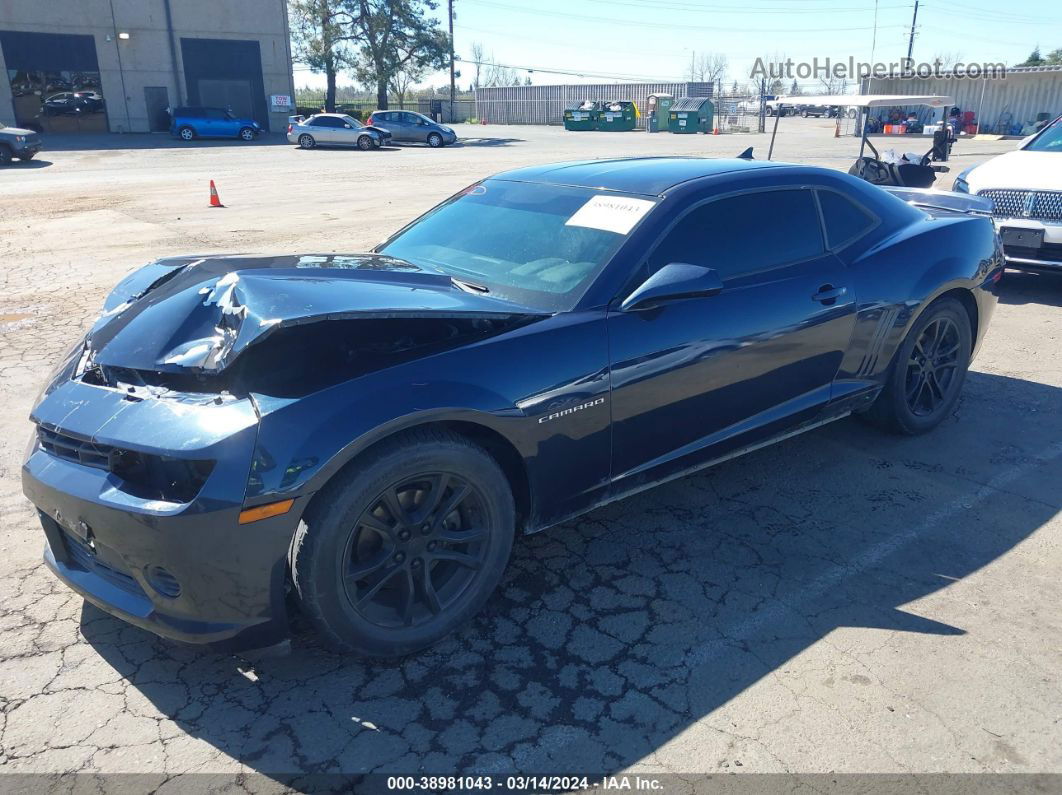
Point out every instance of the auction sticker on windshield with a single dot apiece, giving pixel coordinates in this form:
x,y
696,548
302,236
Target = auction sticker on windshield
x,y
616,214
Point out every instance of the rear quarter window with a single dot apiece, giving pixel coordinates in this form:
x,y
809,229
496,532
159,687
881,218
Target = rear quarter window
x,y
845,220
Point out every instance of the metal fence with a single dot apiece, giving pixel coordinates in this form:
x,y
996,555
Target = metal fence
x,y
545,104
464,109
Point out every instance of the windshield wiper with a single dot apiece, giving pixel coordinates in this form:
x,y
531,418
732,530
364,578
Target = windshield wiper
x,y
469,287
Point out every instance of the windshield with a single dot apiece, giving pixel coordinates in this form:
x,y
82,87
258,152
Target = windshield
x,y
537,245
1049,141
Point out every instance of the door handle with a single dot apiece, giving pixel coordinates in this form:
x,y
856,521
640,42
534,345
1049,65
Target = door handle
x,y
828,294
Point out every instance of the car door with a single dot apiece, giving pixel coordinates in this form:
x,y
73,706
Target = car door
x,y
419,127
324,129
693,379
388,120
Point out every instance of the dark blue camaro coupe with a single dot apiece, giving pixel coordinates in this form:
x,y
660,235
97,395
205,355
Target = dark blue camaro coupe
x,y
368,432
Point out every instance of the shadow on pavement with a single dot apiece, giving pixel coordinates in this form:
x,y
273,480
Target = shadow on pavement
x,y
617,632
1020,287
473,141
34,163
103,141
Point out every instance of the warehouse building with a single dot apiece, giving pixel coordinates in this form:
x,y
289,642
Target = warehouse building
x,y
546,104
1002,105
69,66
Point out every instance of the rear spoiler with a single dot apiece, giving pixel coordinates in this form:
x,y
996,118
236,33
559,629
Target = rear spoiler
x,y
295,119
944,200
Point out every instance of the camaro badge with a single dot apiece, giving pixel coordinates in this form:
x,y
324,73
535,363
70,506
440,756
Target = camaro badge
x,y
572,410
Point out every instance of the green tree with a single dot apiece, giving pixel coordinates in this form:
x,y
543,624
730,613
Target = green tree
x,y
320,40
1053,58
393,35
1034,59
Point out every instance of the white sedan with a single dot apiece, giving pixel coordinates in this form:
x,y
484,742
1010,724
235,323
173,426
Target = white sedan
x,y
1026,187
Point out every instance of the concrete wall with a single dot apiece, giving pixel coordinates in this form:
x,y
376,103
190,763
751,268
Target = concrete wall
x,y
145,59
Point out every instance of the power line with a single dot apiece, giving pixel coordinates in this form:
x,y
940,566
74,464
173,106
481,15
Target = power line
x,y
668,26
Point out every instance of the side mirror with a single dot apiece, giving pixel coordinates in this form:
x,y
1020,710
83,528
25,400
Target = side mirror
x,y
674,281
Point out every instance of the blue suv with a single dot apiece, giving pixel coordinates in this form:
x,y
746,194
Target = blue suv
x,y
190,123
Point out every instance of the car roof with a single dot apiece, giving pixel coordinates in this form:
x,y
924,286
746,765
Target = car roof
x,y
647,175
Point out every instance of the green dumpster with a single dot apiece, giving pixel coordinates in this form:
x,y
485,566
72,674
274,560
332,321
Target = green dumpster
x,y
582,116
617,116
691,115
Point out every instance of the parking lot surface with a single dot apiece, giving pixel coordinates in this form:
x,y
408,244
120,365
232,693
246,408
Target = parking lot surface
x,y
845,601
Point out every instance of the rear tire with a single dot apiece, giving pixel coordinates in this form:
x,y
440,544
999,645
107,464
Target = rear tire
x,y
405,546
186,133
927,374
306,141
435,140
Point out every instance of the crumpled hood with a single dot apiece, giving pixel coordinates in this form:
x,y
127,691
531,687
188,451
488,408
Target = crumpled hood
x,y
17,131
199,313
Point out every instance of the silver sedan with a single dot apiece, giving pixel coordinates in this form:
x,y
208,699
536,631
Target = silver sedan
x,y
334,129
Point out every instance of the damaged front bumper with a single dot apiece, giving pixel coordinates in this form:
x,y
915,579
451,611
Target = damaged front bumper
x,y
135,539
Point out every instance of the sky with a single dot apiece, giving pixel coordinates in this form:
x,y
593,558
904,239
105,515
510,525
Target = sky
x,y
598,41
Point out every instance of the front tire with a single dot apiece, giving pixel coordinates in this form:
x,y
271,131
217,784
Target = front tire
x,y
186,133
435,140
306,141
5,155
405,546
247,134
927,375
27,157
364,143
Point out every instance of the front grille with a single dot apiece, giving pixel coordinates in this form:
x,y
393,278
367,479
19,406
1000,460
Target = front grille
x,y
73,449
1039,205
83,557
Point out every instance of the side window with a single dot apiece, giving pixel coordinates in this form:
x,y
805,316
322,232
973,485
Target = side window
x,y
745,234
325,121
845,220
216,113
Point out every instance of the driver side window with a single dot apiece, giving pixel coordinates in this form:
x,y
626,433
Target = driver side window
x,y
745,234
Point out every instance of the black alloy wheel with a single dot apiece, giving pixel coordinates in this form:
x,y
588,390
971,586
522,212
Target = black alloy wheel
x,y
927,372
404,545
415,550
932,367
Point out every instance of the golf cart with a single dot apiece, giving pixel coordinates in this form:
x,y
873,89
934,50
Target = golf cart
x,y
908,171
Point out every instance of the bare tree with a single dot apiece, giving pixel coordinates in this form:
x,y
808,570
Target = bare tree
x,y
479,56
707,68
945,61
403,80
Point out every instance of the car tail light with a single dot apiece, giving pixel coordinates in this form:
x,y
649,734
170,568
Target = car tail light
x,y
289,129
371,121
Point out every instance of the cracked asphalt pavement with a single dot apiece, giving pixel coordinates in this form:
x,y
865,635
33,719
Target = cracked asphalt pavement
x,y
845,601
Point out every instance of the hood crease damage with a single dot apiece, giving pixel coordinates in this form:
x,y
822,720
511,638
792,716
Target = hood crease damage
x,y
198,324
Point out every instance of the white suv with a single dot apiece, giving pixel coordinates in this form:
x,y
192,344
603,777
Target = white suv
x,y
1026,188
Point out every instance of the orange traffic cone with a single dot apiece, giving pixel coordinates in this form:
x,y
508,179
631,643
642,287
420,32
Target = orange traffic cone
x,y
215,201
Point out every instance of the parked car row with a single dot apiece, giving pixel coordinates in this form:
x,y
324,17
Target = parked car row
x,y
320,129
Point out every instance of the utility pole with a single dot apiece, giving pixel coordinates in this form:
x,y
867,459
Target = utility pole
x,y
450,8
910,42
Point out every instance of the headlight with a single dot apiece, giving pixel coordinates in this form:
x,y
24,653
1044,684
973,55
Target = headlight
x,y
20,139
